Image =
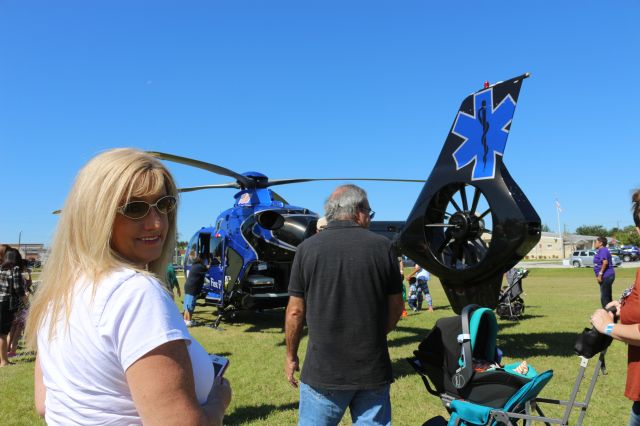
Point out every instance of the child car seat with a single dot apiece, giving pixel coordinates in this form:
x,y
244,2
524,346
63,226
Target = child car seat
x,y
446,355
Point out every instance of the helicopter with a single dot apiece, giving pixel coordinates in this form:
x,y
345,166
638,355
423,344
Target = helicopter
x,y
470,223
250,248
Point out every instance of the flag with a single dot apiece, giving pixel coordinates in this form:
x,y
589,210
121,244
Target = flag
x,y
558,206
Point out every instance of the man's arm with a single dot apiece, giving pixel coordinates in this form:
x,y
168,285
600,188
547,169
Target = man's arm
x,y
605,264
396,306
294,322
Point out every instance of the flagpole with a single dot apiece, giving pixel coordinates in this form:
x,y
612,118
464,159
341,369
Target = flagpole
x,y
558,213
558,210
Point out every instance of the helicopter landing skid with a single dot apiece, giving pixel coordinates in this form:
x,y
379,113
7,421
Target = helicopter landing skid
x,y
229,310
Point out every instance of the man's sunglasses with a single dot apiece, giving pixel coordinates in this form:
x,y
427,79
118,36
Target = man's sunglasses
x,y
368,210
139,209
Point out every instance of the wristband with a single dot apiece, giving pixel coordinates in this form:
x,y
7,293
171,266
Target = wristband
x,y
608,329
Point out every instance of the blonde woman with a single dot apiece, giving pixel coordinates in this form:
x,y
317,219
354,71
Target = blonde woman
x,y
112,346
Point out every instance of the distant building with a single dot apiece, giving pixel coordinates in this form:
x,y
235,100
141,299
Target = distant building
x,y
30,251
552,246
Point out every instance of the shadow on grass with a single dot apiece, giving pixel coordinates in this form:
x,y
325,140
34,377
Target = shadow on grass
x,y
521,346
256,412
267,321
415,337
512,345
401,368
537,344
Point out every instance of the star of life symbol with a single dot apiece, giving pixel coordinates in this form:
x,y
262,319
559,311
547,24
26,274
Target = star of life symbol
x,y
484,134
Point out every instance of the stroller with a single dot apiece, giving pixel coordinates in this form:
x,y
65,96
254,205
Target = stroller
x,y
510,304
452,362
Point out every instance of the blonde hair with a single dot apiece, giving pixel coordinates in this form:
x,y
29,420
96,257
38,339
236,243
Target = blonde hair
x,y
81,245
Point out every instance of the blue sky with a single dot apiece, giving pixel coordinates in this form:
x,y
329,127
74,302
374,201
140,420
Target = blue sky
x,y
315,89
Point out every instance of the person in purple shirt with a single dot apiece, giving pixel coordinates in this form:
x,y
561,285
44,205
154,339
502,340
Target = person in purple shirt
x,y
603,268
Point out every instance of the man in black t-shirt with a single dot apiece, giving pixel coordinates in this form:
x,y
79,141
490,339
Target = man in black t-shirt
x,y
193,288
346,283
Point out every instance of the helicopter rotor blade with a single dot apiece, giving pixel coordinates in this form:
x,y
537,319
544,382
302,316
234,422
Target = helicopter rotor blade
x,y
220,185
243,181
287,181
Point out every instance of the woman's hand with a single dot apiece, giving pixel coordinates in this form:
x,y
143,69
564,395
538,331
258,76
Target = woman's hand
x,y
614,304
600,319
218,399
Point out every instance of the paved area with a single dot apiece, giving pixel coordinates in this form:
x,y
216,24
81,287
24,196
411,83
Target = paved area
x,y
558,264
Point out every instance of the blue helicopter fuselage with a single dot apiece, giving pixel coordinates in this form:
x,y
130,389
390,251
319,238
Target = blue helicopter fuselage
x,y
250,249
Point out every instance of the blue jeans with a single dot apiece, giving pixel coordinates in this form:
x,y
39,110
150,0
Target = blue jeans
x,y
605,290
322,407
634,419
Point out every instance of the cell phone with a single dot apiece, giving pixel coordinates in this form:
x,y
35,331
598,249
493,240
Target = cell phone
x,y
220,364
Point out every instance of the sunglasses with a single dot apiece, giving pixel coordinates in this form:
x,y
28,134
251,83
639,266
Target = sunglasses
x,y
139,209
368,210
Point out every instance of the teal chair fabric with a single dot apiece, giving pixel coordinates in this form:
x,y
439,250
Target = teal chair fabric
x,y
471,414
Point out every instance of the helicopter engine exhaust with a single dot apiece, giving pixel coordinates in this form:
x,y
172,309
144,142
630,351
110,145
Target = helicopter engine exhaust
x,y
270,220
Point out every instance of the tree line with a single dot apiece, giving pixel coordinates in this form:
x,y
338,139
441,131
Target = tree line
x,y
623,236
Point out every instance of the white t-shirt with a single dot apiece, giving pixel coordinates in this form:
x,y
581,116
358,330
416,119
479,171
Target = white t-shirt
x,y
423,275
84,366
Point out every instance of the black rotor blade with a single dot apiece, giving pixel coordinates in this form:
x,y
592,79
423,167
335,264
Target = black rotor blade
x,y
460,249
220,185
300,180
455,205
447,238
244,181
486,212
476,198
463,195
456,248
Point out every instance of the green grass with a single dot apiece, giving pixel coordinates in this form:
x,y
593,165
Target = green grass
x,y
559,303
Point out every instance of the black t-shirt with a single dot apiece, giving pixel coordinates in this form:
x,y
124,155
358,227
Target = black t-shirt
x,y
346,274
195,280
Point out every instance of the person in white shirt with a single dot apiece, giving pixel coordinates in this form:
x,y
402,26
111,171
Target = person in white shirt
x,y
422,283
112,346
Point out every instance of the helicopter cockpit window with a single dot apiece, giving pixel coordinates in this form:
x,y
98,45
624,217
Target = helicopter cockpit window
x,y
192,250
203,245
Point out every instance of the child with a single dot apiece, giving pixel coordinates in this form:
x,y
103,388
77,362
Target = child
x,y
413,294
423,285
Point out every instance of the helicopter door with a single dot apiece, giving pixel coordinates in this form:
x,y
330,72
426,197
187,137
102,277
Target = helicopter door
x,y
234,266
215,289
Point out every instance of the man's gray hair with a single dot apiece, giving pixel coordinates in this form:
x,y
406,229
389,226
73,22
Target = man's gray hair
x,y
344,203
